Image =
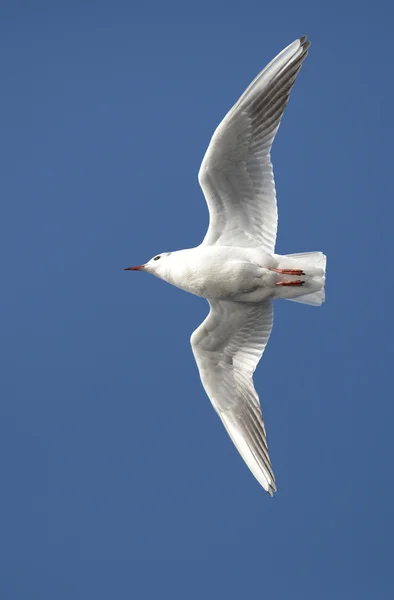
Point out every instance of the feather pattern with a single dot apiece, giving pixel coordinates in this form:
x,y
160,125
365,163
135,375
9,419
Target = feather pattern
x,y
236,173
227,347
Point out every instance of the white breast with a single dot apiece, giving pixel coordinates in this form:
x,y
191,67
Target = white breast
x,y
222,273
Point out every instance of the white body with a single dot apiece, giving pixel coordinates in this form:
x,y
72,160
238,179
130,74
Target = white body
x,y
235,273
232,267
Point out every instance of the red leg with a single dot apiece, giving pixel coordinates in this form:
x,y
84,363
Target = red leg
x,y
289,271
298,282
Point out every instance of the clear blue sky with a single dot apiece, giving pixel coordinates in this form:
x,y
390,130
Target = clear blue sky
x,y
117,478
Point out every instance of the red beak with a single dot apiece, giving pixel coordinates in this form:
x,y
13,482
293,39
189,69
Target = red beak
x,y
138,268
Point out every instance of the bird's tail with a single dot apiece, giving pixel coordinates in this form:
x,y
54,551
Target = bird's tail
x,y
314,266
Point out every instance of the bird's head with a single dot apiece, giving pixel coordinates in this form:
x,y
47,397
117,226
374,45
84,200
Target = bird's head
x,y
156,265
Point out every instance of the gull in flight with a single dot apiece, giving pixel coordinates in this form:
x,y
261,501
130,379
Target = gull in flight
x,y
235,267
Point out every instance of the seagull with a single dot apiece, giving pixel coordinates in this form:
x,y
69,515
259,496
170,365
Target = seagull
x,y
235,267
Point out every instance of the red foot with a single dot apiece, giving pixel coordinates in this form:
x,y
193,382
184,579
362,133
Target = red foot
x,y
289,271
298,282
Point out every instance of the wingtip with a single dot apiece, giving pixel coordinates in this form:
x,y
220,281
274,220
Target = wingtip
x,y
271,490
305,43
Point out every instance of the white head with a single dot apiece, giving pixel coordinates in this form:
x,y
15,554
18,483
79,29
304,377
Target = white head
x,y
156,265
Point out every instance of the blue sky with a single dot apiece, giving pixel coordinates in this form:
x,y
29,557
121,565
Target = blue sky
x,y
118,480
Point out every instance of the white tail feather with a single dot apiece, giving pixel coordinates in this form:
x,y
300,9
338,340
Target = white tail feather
x,y
313,259
315,299
314,266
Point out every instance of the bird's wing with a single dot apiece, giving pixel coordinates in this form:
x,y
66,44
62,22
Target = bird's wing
x,y
227,347
236,173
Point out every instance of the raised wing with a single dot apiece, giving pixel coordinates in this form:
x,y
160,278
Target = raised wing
x,y
227,347
236,173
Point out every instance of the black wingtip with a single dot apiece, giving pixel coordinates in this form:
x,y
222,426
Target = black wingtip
x,y
304,42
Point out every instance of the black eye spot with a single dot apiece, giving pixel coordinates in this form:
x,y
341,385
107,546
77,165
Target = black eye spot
x,y
157,257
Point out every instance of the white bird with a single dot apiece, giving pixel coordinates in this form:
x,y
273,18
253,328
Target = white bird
x,y
235,268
